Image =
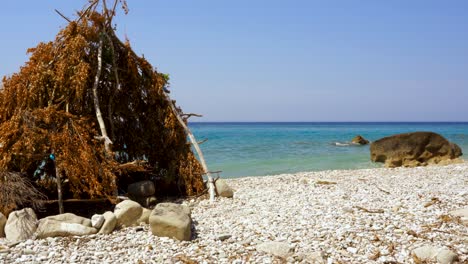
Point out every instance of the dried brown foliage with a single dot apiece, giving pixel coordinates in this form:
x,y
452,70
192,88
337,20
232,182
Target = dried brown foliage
x,y
47,107
16,190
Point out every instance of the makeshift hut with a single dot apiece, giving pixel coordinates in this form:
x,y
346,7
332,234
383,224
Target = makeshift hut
x,y
86,116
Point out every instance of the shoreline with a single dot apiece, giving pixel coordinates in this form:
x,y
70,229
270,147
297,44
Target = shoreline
x,y
350,216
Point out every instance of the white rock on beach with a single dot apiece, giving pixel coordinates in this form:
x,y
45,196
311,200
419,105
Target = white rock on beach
x,y
431,253
127,213
462,213
279,249
110,221
20,225
223,189
70,218
97,221
52,228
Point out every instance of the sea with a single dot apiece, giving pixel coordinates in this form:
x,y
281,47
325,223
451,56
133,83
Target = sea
x,y
261,148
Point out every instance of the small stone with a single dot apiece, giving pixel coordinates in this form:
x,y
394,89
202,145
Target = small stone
x,y
352,250
97,221
279,249
223,237
109,223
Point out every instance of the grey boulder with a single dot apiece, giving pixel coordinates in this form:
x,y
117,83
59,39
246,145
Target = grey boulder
x,y
141,189
171,220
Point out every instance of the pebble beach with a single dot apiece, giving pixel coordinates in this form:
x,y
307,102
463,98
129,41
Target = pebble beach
x,y
339,216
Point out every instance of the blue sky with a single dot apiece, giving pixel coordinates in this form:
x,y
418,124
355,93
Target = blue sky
x,y
259,60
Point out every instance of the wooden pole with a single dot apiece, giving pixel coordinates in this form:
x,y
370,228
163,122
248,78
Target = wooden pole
x,y
58,177
211,185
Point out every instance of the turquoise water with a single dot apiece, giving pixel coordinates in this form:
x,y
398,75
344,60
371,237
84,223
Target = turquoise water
x,y
254,149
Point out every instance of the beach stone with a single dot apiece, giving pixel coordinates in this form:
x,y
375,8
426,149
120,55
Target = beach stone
x,y
144,218
430,253
20,225
110,221
141,189
3,221
171,220
70,218
54,228
462,213
414,149
359,140
97,221
127,213
278,249
315,258
223,189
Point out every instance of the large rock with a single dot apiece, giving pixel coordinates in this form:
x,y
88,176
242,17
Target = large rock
x,y
109,223
414,149
171,220
54,228
3,221
141,189
223,189
279,249
20,225
71,219
430,253
127,213
359,140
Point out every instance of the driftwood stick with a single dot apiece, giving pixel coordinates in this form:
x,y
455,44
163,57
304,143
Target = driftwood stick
x,y
190,115
102,125
64,17
374,211
211,185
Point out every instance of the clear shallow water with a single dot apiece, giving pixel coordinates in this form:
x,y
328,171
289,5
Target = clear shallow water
x,y
255,149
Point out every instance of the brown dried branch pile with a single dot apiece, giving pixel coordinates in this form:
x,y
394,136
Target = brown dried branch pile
x,y
47,108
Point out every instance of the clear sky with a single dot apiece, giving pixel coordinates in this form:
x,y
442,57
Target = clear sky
x,y
276,60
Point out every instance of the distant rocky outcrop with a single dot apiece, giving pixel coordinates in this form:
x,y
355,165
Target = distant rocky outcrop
x,y
359,140
414,149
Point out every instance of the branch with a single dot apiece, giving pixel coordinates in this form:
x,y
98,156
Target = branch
x,y
186,116
102,125
64,17
203,141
